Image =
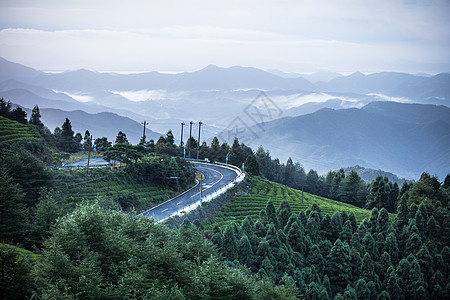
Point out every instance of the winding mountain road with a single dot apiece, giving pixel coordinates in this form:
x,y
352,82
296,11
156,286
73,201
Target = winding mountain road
x,y
216,177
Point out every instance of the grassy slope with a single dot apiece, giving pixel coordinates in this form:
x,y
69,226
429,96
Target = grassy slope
x,y
262,190
33,257
147,195
12,131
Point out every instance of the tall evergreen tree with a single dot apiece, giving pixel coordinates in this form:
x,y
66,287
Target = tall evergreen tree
x,y
35,118
352,189
121,138
229,243
87,144
338,266
19,115
251,165
312,182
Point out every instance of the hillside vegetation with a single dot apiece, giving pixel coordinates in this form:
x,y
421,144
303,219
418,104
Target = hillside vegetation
x,y
332,257
262,190
13,131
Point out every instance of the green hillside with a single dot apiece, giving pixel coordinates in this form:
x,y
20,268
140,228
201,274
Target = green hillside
x,y
12,131
124,189
262,190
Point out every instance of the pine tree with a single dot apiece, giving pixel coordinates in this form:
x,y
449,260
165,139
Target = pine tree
x,y
19,115
336,225
87,141
338,266
312,182
229,247
272,237
235,154
251,165
312,292
283,214
384,296
214,151
352,189
259,229
121,138
362,292
295,238
393,287
368,269
270,212
264,250
66,140
378,193
244,251
316,259
13,212
347,231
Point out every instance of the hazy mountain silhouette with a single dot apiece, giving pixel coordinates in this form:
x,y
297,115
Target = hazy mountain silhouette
x,y
330,139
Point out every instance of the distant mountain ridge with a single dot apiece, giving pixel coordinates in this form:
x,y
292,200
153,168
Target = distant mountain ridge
x,y
99,125
434,90
368,175
329,139
405,139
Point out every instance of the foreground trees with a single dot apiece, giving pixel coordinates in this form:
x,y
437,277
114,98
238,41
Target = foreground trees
x,y
98,252
384,257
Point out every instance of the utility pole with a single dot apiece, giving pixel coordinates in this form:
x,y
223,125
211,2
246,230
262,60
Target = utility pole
x,y
89,158
181,144
143,135
190,136
199,125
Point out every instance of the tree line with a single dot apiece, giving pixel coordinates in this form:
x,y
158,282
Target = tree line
x,y
332,257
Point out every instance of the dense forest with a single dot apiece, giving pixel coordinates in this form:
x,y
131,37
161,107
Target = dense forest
x,y
323,257
57,246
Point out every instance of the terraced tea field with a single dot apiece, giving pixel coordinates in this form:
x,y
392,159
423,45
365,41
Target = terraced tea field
x,y
12,131
263,190
115,186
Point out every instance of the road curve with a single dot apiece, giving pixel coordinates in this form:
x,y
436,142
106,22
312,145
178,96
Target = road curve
x,y
216,177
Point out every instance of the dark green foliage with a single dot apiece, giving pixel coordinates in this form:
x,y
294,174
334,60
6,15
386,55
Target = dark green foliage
x,y
251,165
123,152
19,115
102,144
35,118
13,210
65,138
385,257
121,138
165,145
229,244
98,253
352,189
15,276
338,266
283,214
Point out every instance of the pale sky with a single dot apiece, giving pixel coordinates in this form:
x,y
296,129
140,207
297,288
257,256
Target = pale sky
x,y
170,36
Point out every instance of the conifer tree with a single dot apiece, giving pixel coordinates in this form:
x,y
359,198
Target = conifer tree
x,y
283,213
229,243
338,266
270,213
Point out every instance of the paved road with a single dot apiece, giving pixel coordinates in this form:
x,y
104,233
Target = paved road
x,y
93,162
216,177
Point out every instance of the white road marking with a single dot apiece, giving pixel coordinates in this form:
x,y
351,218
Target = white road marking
x,y
212,184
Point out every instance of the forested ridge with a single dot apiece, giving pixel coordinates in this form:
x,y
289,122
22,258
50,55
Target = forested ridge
x,y
84,241
332,257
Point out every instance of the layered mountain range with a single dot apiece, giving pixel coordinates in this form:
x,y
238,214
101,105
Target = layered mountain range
x,y
394,121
